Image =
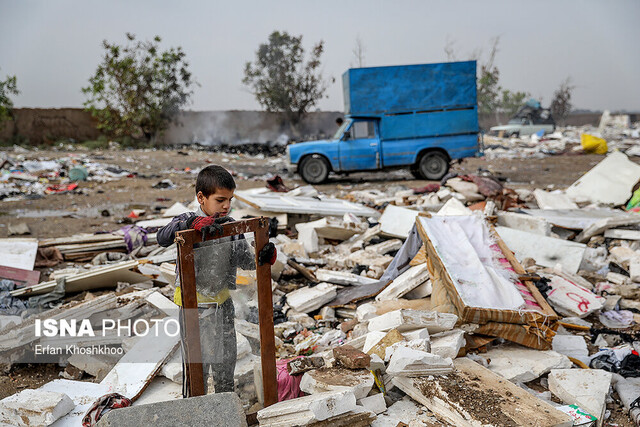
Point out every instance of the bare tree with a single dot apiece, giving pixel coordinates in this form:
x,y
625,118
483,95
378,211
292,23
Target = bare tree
x,y
358,53
561,103
449,49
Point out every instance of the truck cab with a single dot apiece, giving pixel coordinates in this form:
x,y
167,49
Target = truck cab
x,y
418,116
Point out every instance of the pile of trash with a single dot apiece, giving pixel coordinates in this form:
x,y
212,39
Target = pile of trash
x,y
614,133
21,178
459,303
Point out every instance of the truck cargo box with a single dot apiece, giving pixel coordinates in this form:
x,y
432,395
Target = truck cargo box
x,y
377,91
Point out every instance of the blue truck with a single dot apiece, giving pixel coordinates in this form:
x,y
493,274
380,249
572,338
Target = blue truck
x,y
419,117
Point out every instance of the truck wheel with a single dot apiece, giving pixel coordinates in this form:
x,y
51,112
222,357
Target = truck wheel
x,y
314,169
433,165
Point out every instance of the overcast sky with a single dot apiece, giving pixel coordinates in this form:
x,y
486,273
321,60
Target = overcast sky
x,y
53,46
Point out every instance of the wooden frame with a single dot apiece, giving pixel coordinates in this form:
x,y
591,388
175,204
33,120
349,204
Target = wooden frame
x,y
484,315
186,269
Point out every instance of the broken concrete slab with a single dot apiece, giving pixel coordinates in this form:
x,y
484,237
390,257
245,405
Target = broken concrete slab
x,y
408,362
342,277
600,226
447,344
34,408
519,364
454,207
523,222
97,365
308,299
305,410
350,358
587,388
82,393
374,403
212,409
407,320
622,234
405,412
404,283
571,346
300,365
358,382
553,200
18,252
473,395
160,390
397,221
546,251
575,219
172,369
609,182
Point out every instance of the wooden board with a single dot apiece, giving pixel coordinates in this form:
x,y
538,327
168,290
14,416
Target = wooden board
x,y
474,396
135,370
103,277
20,276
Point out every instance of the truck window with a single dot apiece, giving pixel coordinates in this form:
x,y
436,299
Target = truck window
x,y
363,130
341,129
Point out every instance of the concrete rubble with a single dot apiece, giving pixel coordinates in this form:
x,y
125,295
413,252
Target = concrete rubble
x,y
372,320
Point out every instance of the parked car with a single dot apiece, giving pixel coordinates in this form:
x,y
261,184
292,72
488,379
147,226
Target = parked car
x,y
531,118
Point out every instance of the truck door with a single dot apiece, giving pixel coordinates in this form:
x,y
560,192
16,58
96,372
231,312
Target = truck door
x,y
360,146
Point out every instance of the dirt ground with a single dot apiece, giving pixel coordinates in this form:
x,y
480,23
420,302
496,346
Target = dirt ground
x,y
60,215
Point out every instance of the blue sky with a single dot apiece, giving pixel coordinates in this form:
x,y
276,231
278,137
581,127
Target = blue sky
x,y
54,46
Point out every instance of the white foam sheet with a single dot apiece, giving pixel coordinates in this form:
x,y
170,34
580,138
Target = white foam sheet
x,y
463,243
18,253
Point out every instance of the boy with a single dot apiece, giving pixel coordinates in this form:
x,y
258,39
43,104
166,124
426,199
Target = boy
x,y
214,191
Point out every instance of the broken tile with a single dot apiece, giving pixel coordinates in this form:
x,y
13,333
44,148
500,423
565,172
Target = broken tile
x,y
520,364
358,382
407,320
447,344
375,403
409,362
587,388
34,408
300,365
404,283
308,299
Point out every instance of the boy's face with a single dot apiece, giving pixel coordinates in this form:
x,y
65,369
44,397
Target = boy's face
x,y
217,203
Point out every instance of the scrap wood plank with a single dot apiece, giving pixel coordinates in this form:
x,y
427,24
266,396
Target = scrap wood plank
x,y
135,370
473,396
20,276
103,277
79,239
357,293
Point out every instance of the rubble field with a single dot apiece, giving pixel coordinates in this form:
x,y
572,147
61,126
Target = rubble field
x,y
72,211
508,293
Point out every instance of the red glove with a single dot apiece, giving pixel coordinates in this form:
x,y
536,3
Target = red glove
x,y
198,222
268,254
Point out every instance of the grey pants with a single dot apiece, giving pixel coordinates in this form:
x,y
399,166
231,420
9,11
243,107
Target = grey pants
x,y
218,344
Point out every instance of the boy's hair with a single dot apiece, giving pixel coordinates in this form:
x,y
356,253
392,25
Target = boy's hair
x,y
213,177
